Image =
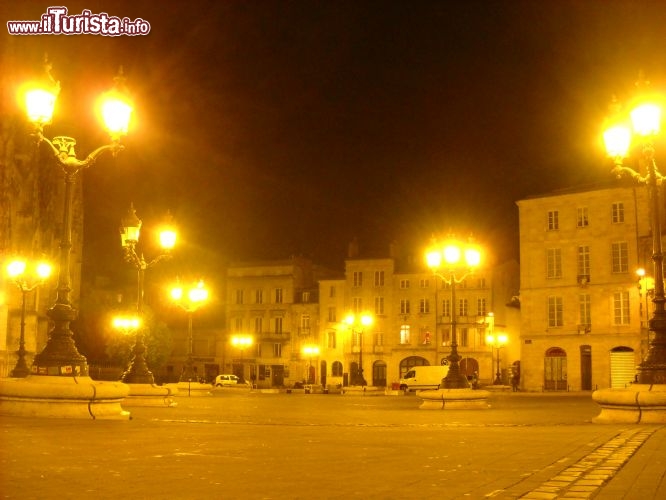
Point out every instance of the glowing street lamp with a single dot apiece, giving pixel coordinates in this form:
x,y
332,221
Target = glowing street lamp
x,y
138,372
242,342
497,341
190,300
60,355
310,351
453,261
357,324
26,276
645,121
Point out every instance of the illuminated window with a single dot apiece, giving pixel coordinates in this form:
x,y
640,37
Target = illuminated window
x,y
404,334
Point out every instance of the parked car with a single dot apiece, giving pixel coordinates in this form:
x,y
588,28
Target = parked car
x,y
226,379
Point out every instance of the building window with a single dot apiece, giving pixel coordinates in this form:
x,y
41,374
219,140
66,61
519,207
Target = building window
x,y
336,369
553,263
555,315
305,296
404,284
464,337
425,283
278,295
332,314
404,306
331,292
553,220
332,340
446,336
584,306
357,304
305,321
379,306
582,219
358,279
462,307
480,307
583,263
379,278
278,325
446,307
239,296
404,334
238,325
620,257
424,306
481,283
621,308
258,325
277,350
258,296
378,338
617,213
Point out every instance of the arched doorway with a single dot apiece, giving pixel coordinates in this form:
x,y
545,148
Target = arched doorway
x,y
410,362
622,366
379,374
555,370
468,366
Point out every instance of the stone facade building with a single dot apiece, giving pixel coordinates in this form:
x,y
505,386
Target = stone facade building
x,y
583,314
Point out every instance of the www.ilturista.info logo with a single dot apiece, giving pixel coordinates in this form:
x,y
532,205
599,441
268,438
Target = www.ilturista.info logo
x,y
56,22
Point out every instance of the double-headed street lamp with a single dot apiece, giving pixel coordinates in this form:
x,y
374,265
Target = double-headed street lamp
x,y
60,355
497,341
645,123
190,300
138,372
242,342
453,261
357,324
26,276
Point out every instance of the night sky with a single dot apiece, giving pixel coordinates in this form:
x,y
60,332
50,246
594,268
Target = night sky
x,y
279,128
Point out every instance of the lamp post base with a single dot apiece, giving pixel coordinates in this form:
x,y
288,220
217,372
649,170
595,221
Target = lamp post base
x,y
637,404
150,395
453,399
63,397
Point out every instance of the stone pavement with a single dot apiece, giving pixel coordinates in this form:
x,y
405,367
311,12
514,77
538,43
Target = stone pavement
x,y
241,444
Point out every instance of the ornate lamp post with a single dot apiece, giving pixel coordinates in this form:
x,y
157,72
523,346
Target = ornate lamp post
x,y
16,270
310,351
645,118
60,355
357,324
453,261
189,300
138,372
242,342
497,341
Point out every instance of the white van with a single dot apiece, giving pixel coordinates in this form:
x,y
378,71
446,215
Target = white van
x,y
424,377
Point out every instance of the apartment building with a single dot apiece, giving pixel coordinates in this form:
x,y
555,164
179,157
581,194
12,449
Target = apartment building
x,y
583,315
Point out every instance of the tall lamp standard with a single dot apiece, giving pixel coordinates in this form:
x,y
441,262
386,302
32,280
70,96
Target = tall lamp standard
x,y
138,372
16,270
242,342
357,324
453,261
190,301
60,355
497,341
645,118
310,351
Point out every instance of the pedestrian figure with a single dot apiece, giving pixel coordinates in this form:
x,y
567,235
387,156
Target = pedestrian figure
x,y
515,381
